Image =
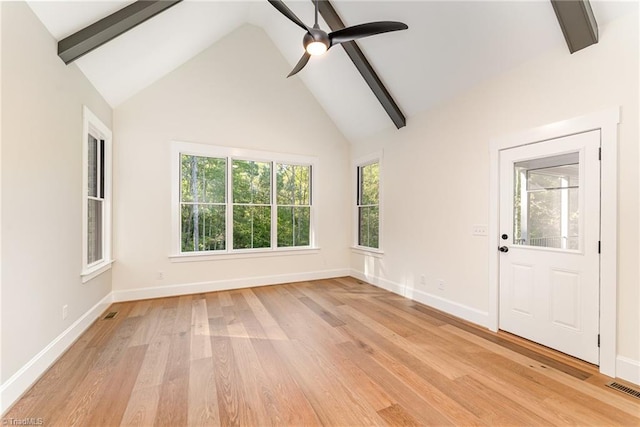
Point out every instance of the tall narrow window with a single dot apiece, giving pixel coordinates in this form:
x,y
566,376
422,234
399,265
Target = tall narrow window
x,y
96,224
251,204
203,203
294,204
95,200
368,205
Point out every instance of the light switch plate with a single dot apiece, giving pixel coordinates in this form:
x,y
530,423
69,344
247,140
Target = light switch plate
x,y
479,230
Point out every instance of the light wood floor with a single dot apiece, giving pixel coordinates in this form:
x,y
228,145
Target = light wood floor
x,y
330,352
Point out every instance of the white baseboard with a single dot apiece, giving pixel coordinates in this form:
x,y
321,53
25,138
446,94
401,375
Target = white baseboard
x,y
21,381
628,369
453,308
222,285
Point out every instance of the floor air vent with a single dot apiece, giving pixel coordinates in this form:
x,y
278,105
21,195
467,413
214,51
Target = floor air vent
x,y
624,389
111,315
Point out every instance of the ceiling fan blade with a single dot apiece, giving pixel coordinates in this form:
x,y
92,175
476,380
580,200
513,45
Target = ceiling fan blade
x,y
300,65
364,30
283,9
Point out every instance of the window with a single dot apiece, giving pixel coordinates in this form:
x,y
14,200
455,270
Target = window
x,y
294,204
233,201
547,202
96,253
251,189
203,203
368,203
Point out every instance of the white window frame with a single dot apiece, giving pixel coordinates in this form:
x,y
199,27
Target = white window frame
x,y
93,126
376,157
179,148
276,205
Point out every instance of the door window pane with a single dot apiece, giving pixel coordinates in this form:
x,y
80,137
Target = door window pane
x,y
546,202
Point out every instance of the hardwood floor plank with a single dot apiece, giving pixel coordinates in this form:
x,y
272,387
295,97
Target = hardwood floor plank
x,y
200,333
396,415
333,402
147,328
327,352
632,408
269,325
112,403
214,308
321,312
203,395
294,319
324,289
460,324
251,375
242,310
374,331
174,391
423,378
141,308
142,407
495,408
428,415
232,396
290,403
154,365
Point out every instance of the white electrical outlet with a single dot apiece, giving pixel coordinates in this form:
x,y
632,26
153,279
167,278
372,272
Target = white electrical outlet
x,y
479,230
441,285
160,275
65,311
423,280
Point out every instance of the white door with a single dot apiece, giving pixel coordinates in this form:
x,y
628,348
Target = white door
x,y
550,228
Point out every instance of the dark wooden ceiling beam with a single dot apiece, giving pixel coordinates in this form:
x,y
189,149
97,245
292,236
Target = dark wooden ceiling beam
x,y
578,24
106,29
364,67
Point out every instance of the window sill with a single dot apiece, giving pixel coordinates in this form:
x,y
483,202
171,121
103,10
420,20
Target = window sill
x,y
206,256
361,250
95,271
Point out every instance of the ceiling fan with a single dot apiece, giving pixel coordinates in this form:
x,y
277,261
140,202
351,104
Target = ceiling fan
x,y
317,41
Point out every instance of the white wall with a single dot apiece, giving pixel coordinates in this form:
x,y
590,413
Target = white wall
x,y
436,174
233,94
41,186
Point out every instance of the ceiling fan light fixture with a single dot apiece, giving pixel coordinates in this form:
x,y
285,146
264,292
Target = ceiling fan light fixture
x,y
316,48
316,42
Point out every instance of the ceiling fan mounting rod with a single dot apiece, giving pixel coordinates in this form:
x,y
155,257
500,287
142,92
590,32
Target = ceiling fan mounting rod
x,y
316,23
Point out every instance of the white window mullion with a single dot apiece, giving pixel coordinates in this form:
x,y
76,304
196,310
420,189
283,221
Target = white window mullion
x,y
274,206
230,201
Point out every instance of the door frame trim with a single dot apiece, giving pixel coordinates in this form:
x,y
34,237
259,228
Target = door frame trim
x,y
607,122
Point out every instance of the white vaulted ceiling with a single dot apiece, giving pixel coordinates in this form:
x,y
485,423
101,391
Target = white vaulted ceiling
x,y
450,46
